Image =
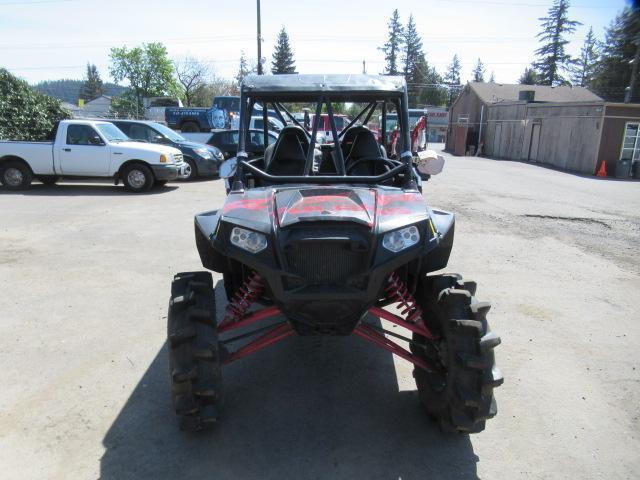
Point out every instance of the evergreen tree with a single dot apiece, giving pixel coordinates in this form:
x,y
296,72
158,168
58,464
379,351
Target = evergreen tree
x,y
528,77
613,70
413,54
92,87
584,66
478,72
492,77
552,58
394,44
452,78
243,69
282,55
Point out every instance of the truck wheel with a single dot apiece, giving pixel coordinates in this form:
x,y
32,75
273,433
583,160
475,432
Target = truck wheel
x,y
48,180
15,175
137,178
192,170
189,127
459,395
194,362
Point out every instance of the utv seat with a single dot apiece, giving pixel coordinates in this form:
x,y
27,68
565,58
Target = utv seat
x,y
288,155
365,146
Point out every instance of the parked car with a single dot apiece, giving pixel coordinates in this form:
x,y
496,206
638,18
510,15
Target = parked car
x,y
227,142
89,149
202,160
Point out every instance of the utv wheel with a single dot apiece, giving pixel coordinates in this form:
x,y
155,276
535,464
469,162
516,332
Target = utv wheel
x,y
15,175
460,394
137,178
194,363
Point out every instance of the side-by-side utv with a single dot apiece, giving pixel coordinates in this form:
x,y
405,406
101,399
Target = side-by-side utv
x,y
316,239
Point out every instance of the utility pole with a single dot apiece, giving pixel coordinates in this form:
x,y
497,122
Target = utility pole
x,y
259,42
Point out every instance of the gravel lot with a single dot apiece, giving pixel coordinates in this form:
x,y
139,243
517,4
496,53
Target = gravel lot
x,y
85,272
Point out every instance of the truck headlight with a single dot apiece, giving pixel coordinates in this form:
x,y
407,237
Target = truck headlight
x,y
217,154
203,152
248,240
400,239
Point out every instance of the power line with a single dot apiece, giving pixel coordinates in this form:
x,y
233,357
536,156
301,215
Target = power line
x,y
34,2
518,4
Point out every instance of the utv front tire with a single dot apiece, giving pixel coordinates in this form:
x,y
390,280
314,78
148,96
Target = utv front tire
x,y
194,362
460,394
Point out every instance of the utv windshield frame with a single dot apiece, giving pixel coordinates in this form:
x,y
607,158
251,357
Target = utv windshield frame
x,y
373,90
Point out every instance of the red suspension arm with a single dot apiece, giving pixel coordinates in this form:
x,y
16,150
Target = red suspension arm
x,y
272,336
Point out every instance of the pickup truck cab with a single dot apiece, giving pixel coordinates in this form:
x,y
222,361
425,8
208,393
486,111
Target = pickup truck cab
x,y
89,149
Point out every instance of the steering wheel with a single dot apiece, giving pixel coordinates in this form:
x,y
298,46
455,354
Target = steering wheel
x,y
388,164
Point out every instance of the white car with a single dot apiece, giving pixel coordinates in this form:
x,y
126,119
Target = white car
x,y
89,149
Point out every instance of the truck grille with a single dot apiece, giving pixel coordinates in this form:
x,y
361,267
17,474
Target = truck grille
x,y
325,263
178,158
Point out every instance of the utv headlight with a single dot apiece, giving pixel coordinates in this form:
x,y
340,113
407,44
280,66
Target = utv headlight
x,y
253,242
400,239
203,152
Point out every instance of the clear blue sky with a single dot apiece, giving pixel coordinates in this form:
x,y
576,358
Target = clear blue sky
x,y
51,39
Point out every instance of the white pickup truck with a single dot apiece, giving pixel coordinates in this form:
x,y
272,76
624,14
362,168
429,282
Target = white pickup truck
x,y
89,149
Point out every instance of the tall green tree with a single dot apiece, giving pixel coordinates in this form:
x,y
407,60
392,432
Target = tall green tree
x,y
452,78
613,71
393,47
25,113
147,69
413,55
92,86
478,71
552,59
528,77
283,61
492,77
584,66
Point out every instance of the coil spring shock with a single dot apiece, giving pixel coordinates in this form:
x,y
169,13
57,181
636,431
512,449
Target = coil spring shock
x,y
397,292
244,297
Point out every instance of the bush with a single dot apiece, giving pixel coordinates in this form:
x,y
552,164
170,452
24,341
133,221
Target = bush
x,y
26,114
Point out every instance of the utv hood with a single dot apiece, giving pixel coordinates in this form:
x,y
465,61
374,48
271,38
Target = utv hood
x,y
330,204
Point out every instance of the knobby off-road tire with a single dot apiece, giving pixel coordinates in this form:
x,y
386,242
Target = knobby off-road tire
x,y
460,397
194,362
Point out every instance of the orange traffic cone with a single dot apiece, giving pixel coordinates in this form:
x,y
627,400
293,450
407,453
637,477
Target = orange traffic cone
x,y
602,171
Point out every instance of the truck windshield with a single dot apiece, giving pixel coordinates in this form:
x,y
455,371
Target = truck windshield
x,y
111,132
167,132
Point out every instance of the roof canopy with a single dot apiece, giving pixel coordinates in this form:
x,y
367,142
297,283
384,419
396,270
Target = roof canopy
x,y
310,87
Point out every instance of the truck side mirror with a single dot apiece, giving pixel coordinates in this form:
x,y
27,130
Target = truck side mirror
x,y
96,140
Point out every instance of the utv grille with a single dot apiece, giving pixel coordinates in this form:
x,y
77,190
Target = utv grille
x,y
325,263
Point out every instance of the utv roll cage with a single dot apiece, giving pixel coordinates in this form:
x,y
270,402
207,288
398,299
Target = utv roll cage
x,y
271,91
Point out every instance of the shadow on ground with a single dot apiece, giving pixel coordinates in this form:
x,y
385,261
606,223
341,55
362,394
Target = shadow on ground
x,y
309,407
87,190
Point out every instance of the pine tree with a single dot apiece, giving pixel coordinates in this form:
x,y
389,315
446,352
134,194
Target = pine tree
x,y
585,65
492,77
478,72
394,44
613,70
552,58
452,78
412,56
528,77
282,55
92,87
243,69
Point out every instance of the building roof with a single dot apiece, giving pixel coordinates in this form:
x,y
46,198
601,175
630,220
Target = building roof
x,y
335,85
500,92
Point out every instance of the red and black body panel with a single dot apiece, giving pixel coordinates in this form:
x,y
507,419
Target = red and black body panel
x,y
324,264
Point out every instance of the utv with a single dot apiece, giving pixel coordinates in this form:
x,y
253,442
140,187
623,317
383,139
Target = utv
x,y
318,238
